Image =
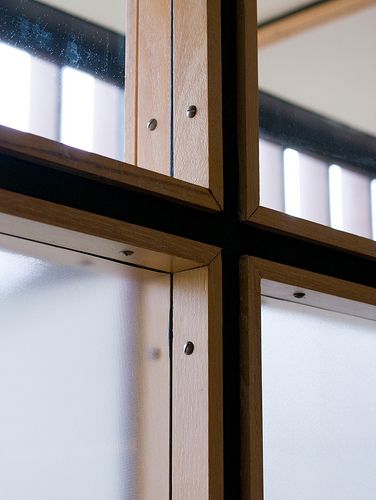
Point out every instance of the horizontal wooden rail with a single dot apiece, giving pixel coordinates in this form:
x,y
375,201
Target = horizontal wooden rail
x,y
308,18
56,155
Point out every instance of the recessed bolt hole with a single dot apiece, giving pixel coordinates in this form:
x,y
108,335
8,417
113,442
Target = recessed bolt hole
x,y
127,253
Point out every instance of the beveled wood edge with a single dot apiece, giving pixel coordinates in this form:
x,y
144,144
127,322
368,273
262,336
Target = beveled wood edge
x,y
317,282
131,80
310,17
215,100
61,157
248,107
159,250
312,231
251,449
215,367
252,271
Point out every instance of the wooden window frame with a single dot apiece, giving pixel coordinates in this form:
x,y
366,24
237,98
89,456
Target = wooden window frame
x,y
252,272
173,61
248,119
195,269
195,142
176,226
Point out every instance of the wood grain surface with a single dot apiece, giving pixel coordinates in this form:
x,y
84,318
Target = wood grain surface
x,y
197,438
67,159
48,222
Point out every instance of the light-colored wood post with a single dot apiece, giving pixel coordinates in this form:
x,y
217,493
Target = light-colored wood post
x,y
197,435
148,85
197,82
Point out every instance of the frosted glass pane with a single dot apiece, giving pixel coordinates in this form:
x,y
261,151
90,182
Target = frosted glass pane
x,y
319,403
73,359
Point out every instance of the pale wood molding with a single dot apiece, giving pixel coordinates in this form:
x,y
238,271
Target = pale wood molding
x,y
284,223
197,425
154,84
252,272
40,220
248,108
215,375
153,382
307,19
67,159
197,81
131,81
214,77
152,92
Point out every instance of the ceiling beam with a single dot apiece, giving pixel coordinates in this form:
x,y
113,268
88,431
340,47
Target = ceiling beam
x,y
308,18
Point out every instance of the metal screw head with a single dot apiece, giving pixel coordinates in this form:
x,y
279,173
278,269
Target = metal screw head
x,y
189,348
191,111
152,124
299,295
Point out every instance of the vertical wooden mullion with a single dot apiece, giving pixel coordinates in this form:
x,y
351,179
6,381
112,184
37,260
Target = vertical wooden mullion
x,y
250,373
148,85
131,81
197,407
197,141
248,110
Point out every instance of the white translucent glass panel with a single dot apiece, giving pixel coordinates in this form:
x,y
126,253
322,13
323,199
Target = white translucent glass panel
x,y
314,185
15,87
65,80
91,113
271,175
306,186
79,378
108,124
44,98
350,201
317,83
319,403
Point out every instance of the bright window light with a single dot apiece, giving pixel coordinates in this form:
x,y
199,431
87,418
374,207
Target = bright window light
x,y
373,207
292,182
77,109
15,87
335,197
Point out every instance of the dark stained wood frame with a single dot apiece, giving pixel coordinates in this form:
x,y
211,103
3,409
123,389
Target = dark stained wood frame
x,y
252,272
248,119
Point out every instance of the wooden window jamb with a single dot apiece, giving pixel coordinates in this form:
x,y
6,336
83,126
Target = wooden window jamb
x,y
248,116
252,272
